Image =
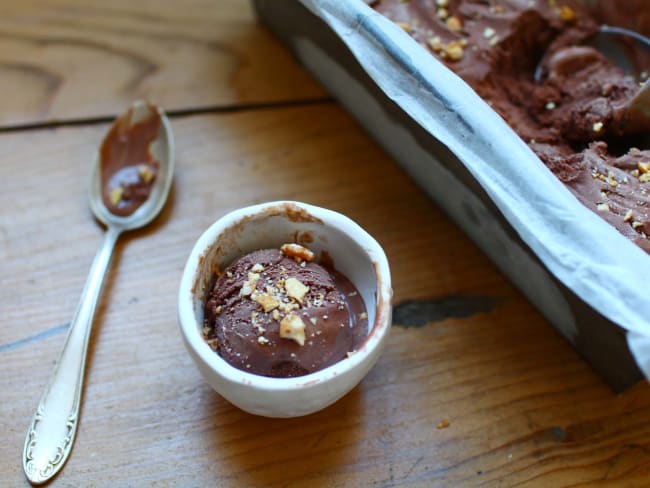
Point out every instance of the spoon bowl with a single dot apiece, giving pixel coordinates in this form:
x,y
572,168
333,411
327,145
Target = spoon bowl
x,y
162,151
53,427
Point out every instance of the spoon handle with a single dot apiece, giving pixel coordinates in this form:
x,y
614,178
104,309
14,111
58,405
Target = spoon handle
x,y
52,431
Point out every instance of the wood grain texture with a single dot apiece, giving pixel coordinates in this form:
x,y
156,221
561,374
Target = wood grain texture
x,y
523,409
72,59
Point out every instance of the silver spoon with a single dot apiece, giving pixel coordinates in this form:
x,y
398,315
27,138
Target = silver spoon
x,y
52,431
610,41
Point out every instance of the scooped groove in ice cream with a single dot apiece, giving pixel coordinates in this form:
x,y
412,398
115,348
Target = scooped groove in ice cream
x,y
569,114
278,313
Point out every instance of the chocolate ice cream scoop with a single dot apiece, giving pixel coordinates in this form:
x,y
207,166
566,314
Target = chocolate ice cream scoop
x,y
277,313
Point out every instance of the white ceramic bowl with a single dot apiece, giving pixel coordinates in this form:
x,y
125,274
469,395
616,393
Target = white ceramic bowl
x,y
354,253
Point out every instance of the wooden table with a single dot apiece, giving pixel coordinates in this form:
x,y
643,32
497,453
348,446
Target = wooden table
x,y
474,388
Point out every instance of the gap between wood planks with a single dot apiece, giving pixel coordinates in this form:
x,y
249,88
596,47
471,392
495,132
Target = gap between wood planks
x,y
183,112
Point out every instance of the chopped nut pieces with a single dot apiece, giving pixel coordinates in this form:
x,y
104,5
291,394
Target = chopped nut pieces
x,y
295,289
644,178
567,14
628,216
644,167
297,252
597,127
116,195
267,301
363,316
405,26
444,423
611,180
292,327
249,286
602,207
145,173
454,50
436,44
454,24
257,268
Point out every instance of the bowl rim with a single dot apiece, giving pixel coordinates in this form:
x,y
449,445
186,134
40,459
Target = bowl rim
x,y
190,329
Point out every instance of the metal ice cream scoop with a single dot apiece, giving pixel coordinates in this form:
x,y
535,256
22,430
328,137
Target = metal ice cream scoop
x,y
630,51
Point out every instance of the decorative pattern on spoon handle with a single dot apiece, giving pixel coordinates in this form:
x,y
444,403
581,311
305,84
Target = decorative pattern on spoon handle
x,y
43,473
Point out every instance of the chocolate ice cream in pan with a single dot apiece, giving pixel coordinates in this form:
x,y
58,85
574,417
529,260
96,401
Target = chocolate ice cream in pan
x,y
575,267
530,61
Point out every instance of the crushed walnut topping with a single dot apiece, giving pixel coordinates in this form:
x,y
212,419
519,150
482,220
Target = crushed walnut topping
x,y
292,327
145,173
267,301
249,285
453,50
297,252
611,180
567,14
295,289
454,24
406,27
436,44
116,195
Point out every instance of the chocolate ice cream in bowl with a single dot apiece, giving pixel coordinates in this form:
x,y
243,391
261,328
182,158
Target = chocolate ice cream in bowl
x,y
284,307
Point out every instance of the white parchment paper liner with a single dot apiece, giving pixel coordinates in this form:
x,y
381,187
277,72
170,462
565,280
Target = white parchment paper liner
x,y
586,254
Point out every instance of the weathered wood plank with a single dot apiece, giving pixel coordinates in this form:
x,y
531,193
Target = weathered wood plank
x,y
72,59
522,407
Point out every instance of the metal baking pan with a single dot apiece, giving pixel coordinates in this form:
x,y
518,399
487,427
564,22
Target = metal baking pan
x,y
588,280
